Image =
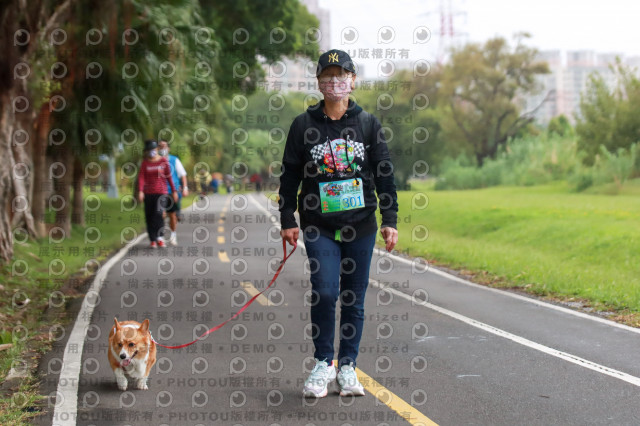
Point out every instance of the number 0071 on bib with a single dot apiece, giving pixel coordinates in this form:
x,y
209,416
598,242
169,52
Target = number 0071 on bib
x,y
341,195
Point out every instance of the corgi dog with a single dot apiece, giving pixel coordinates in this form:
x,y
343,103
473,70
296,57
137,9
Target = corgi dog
x,y
132,351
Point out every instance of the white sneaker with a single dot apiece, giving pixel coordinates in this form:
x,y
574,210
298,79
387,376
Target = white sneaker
x,y
173,240
316,384
348,381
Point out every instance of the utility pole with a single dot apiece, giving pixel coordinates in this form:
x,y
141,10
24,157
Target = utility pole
x,y
452,19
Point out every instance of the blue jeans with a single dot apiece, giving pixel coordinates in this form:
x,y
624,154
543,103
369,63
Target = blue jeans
x,y
338,269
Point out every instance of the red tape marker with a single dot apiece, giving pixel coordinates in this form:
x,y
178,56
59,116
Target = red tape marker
x,y
246,305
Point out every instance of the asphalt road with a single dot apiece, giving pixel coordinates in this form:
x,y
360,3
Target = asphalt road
x,y
434,348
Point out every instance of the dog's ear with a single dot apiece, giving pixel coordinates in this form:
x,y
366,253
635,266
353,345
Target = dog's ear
x,y
117,323
144,327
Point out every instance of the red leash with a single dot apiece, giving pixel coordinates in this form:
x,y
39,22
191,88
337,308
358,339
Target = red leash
x,y
246,305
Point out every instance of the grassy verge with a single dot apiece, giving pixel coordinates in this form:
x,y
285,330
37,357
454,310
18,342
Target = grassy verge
x,y
545,240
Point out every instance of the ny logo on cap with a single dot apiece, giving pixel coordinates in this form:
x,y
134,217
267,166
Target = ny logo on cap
x,y
333,57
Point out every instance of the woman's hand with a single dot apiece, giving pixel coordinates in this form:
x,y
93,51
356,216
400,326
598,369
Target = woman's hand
x,y
174,194
390,236
290,235
141,196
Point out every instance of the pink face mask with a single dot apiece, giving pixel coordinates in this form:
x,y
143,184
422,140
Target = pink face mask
x,y
335,90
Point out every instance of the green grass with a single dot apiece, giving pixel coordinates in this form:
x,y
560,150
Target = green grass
x,y
74,251
544,239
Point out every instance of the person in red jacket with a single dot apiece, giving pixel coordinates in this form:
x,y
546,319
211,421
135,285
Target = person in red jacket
x,y
155,174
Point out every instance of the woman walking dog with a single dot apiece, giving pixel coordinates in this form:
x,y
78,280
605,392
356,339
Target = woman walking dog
x,y
339,154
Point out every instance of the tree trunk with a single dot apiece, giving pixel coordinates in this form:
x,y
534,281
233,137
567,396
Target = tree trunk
x,y
21,143
40,181
21,176
38,19
6,130
77,217
493,149
63,186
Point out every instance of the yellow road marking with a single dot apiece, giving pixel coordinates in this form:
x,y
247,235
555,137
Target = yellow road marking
x,y
252,291
221,220
220,239
220,229
222,255
393,401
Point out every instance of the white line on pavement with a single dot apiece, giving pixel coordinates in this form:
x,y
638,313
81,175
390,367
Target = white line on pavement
x,y
521,340
447,275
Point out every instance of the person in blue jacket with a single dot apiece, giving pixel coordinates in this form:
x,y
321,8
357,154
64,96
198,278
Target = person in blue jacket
x,y
179,175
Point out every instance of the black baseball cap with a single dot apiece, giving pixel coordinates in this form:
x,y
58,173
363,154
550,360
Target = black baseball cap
x,y
335,57
150,144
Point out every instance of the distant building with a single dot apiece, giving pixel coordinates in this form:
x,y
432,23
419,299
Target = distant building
x,y
324,16
633,61
551,88
567,81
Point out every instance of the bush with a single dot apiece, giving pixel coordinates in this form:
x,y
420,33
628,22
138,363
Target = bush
x,y
461,177
532,160
492,173
582,179
609,115
536,160
616,167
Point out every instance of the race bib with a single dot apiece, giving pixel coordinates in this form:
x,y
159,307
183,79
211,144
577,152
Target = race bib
x,y
341,195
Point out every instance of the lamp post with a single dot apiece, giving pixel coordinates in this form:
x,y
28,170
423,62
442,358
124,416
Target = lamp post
x,y
112,187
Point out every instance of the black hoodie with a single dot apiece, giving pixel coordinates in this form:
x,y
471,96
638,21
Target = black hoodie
x,y
310,156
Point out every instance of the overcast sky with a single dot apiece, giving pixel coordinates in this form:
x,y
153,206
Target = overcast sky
x,y
600,25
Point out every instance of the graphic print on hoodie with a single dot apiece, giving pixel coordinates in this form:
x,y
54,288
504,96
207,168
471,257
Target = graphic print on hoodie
x,y
338,157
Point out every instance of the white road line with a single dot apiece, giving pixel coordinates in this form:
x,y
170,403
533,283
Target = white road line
x,y
66,407
521,340
447,275
499,332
